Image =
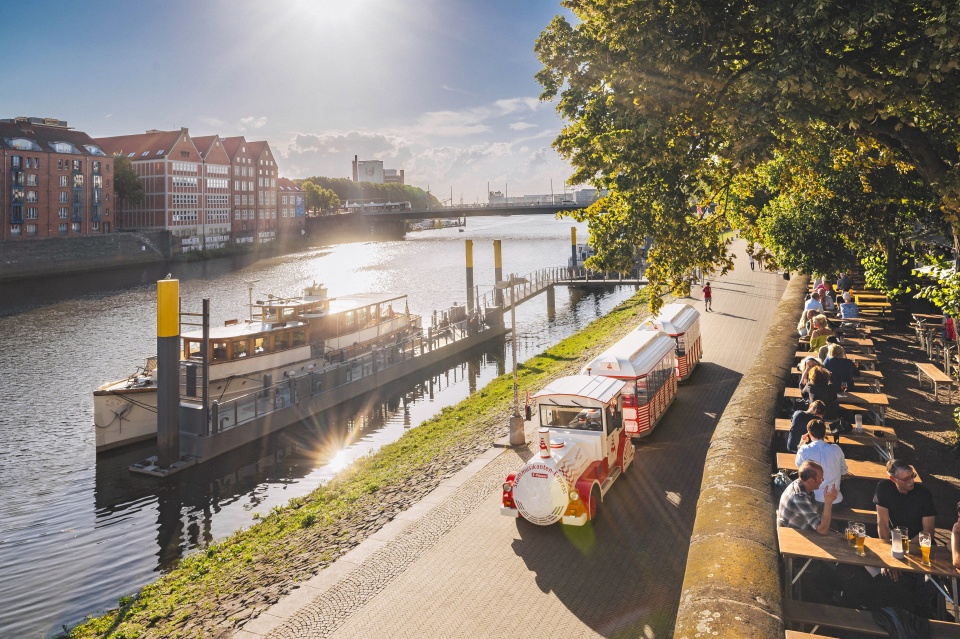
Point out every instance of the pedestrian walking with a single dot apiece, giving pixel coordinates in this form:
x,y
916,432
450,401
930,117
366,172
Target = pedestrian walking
x,y
760,260
707,297
752,262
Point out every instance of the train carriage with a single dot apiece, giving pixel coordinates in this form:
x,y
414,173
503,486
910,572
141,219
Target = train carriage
x,y
646,360
682,323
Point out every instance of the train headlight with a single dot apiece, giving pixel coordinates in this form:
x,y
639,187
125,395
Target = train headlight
x,y
574,495
507,487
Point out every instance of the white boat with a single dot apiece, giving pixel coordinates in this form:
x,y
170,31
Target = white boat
x,y
286,335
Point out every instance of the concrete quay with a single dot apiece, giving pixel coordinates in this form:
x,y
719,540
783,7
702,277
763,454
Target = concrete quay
x,y
451,565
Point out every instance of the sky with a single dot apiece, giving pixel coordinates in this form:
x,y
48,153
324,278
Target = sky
x,y
443,89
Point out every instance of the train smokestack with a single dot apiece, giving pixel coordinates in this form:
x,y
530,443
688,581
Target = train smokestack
x,y
544,442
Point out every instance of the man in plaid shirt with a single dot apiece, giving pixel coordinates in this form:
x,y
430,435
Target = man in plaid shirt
x,y
798,506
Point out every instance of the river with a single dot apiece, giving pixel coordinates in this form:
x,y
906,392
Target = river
x,y
78,531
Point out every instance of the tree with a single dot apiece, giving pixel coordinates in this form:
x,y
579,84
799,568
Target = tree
x,y
319,198
127,188
667,102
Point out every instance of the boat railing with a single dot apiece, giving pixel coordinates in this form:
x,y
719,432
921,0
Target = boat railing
x,y
297,386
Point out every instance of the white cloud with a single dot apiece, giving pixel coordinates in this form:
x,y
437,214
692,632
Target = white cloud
x,y
521,126
211,121
251,122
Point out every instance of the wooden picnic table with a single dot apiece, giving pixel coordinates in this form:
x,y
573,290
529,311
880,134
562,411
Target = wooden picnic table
x,y
871,379
856,468
926,317
883,438
877,402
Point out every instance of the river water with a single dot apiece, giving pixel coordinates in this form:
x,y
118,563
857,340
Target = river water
x,y
78,531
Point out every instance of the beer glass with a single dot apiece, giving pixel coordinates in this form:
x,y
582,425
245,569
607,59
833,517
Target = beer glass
x,y
905,538
852,535
861,540
925,542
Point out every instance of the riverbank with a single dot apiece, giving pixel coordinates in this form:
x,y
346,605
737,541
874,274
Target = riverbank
x,y
213,591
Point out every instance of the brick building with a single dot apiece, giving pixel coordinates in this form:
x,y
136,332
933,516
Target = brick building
x,y
292,207
55,182
266,186
243,172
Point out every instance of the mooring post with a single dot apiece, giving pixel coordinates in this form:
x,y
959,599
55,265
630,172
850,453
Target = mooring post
x,y
168,372
573,250
497,272
470,302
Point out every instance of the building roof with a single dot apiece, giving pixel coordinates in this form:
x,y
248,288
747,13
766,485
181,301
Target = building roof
x,y
204,143
44,136
286,184
151,144
232,145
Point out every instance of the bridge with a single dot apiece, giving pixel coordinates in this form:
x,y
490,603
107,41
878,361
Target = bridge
x,y
479,210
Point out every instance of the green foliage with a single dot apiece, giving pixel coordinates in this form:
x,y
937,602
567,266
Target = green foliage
x,y
945,291
668,105
127,188
319,198
346,189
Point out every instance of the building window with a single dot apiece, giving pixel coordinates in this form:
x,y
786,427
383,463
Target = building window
x,y
236,215
31,212
31,196
63,229
63,182
15,229
75,227
95,226
64,197
63,213
36,163
96,166
32,179
78,166
31,229
78,181
15,161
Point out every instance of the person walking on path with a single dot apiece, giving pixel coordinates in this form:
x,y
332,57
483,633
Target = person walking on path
x,y
707,297
753,262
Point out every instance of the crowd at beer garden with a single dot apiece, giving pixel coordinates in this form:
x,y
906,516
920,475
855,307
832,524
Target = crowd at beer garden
x,y
849,552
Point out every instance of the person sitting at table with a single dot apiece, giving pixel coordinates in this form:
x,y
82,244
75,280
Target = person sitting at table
x,y
821,388
901,502
828,455
842,370
798,424
821,331
805,366
848,308
844,283
806,322
829,306
813,304
798,507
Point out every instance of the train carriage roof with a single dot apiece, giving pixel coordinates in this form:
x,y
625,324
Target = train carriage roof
x,y
675,319
633,356
595,387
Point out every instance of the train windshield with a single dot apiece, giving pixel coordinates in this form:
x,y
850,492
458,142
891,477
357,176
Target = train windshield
x,y
576,417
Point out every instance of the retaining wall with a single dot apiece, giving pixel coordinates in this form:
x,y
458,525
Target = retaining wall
x,y
33,258
731,587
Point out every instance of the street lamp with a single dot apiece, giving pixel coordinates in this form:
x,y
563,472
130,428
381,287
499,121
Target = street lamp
x,y
517,437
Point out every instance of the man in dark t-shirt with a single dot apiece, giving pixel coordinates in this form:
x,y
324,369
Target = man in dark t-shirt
x,y
902,502
844,283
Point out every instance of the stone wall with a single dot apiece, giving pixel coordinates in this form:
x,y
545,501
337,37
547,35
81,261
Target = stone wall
x,y
731,587
34,258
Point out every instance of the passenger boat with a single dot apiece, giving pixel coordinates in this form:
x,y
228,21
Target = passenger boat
x,y
645,359
285,336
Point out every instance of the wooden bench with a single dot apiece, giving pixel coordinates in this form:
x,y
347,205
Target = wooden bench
x,y
841,512
868,436
856,469
852,620
936,376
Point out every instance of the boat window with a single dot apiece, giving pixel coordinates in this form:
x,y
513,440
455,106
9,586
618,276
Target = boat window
x,y
362,317
281,341
289,313
219,351
241,348
259,345
192,350
349,322
299,338
374,315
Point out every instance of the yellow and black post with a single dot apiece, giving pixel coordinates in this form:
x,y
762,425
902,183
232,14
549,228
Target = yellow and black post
x,y
168,372
497,271
573,247
470,303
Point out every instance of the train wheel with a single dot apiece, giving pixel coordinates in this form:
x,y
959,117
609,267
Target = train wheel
x,y
594,503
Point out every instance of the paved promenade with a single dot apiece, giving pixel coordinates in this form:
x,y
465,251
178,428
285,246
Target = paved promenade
x,y
453,566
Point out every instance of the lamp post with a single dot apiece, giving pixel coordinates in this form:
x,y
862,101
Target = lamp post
x,y
517,437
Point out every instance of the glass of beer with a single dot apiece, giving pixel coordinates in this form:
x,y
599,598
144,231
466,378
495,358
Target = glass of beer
x,y
905,537
861,540
925,543
852,535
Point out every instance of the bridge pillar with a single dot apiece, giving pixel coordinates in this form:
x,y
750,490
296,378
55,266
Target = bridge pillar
x,y
497,271
551,302
470,302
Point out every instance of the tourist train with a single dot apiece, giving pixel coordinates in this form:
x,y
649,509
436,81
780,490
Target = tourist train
x,y
682,323
283,335
588,422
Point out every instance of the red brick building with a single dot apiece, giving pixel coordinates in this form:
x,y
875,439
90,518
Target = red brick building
x,y
243,177
55,182
266,186
292,208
